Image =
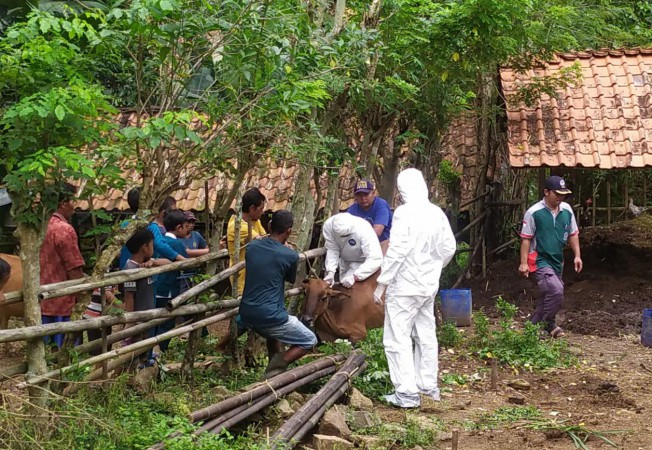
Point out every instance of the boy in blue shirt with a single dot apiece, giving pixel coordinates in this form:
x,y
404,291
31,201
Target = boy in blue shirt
x,y
161,250
269,265
168,284
373,209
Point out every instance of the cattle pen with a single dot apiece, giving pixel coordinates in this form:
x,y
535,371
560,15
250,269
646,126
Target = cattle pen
x,y
197,313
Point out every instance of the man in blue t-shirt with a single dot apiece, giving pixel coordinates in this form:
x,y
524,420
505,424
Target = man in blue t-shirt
x,y
373,209
269,265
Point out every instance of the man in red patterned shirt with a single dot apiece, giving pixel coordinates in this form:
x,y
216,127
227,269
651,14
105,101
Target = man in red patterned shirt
x,y
61,260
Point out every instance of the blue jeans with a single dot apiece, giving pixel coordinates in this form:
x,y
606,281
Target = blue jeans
x,y
56,339
292,333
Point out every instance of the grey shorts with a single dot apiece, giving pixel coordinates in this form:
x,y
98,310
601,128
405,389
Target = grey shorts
x,y
291,332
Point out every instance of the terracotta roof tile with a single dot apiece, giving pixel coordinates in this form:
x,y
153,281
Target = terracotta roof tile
x,y
605,121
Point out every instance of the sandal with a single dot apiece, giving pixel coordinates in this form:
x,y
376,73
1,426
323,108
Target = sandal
x,y
557,332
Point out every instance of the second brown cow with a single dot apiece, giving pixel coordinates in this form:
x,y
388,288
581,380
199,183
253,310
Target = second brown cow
x,y
341,313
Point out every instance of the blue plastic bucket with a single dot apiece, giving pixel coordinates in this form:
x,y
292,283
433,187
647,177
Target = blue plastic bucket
x,y
456,306
646,329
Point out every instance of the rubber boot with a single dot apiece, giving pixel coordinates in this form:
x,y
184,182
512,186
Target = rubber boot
x,y
276,366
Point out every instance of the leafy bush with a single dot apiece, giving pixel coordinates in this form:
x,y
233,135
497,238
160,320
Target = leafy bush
x,y
517,347
375,381
448,335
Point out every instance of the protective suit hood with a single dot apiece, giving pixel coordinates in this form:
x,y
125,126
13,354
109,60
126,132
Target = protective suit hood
x,y
412,186
343,224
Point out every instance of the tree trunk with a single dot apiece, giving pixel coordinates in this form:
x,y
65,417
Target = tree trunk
x,y
303,207
30,250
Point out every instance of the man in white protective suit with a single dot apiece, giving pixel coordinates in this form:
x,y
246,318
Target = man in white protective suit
x,y
422,244
352,244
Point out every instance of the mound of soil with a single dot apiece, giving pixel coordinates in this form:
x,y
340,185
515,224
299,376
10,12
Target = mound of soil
x,y
606,299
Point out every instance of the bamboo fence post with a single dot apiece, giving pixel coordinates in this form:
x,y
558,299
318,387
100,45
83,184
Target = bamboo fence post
x,y
105,345
644,189
608,202
129,348
593,204
38,331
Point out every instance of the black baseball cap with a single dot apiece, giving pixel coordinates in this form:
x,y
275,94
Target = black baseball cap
x,y
557,184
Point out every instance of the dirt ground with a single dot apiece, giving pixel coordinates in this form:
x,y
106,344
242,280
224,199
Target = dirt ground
x,y
610,389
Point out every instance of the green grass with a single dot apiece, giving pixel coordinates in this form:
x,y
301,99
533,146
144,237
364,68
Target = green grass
x,y
515,346
502,416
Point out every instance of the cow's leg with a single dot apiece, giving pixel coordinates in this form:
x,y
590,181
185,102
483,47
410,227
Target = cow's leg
x,y
4,321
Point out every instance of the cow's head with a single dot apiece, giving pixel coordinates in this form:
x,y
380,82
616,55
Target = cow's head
x,y
317,297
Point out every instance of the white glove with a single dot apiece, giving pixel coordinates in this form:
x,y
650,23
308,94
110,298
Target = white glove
x,y
379,293
348,281
330,278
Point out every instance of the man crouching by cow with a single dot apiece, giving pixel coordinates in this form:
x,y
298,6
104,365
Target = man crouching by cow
x,y
270,263
351,243
346,311
422,244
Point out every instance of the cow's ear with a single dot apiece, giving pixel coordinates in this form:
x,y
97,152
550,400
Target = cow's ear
x,y
306,282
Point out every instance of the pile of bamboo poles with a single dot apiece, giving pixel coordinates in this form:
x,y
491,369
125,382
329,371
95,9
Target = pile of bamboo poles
x,y
307,417
229,412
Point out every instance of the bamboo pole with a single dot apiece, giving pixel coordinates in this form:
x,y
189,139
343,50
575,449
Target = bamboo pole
x,y
204,285
21,368
471,225
232,418
608,202
283,436
130,275
473,200
110,366
119,336
312,422
502,246
175,302
26,333
130,348
264,388
109,278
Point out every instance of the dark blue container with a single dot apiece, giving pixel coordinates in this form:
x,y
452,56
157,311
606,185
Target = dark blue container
x,y
646,329
456,306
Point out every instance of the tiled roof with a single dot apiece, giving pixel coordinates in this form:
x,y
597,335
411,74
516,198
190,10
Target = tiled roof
x,y
275,180
605,121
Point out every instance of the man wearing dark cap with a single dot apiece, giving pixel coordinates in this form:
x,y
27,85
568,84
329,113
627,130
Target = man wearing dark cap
x,y
547,227
373,209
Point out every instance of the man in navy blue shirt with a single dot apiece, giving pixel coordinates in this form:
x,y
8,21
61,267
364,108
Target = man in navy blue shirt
x,y
270,263
373,209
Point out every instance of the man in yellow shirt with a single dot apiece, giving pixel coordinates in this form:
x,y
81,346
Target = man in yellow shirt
x,y
253,203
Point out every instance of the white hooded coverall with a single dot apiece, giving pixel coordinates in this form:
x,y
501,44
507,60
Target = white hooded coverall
x,y
351,243
422,243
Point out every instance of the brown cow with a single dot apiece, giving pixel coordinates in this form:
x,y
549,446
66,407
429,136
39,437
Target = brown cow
x,y
12,283
341,313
